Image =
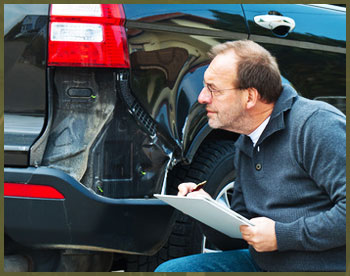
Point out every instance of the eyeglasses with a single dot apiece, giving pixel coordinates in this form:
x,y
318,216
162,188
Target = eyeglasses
x,y
214,92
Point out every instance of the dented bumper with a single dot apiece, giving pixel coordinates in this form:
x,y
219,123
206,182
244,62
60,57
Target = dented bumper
x,y
83,219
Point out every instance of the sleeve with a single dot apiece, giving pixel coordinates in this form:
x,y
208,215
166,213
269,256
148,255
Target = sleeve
x,y
321,151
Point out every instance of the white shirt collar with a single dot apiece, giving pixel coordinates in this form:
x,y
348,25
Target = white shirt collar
x,y
255,135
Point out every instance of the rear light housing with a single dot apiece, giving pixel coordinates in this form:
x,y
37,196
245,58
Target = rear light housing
x,y
87,35
31,191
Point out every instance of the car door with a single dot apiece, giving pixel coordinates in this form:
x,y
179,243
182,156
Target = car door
x,y
311,55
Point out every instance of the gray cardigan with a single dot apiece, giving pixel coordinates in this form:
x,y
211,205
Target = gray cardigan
x,y
297,178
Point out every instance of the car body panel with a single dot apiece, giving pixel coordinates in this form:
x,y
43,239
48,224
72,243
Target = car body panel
x,y
25,45
168,47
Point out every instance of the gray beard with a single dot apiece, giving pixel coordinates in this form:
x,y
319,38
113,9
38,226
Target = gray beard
x,y
238,125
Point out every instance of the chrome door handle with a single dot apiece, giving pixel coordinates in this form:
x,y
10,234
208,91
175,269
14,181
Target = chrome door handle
x,y
279,25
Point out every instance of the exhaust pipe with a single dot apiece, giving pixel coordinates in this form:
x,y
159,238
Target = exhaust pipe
x,y
16,263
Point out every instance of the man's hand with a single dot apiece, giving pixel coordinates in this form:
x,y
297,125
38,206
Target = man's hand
x,y
262,236
185,189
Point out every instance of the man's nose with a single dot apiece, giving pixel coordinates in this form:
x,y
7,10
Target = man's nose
x,y
204,97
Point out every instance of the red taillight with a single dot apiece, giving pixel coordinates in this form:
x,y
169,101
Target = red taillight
x,y
31,191
88,35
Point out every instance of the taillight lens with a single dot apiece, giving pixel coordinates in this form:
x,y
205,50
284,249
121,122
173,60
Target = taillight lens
x,y
31,191
87,35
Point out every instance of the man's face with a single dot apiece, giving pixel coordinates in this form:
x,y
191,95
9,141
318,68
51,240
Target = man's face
x,y
225,109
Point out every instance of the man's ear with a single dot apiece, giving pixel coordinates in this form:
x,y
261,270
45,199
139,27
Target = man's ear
x,y
252,97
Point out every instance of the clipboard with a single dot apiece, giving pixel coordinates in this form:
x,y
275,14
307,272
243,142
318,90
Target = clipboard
x,y
209,212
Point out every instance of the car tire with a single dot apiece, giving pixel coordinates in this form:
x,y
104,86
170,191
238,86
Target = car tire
x,y
213,162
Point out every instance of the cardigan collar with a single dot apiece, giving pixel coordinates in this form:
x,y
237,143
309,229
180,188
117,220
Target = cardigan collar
x,y
276,123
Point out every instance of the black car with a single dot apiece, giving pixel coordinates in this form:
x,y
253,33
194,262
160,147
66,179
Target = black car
x,y
101,113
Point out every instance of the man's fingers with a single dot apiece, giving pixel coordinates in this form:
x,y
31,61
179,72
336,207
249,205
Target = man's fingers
x,y
244,229
201,194
185,188
182,192
247,233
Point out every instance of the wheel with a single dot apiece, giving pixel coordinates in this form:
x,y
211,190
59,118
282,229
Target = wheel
x,y
213,162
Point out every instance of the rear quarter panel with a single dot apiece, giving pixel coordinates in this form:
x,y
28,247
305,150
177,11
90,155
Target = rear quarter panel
x,y
168,47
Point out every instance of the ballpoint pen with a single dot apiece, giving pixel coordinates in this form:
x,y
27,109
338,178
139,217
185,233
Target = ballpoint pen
x,y
199,186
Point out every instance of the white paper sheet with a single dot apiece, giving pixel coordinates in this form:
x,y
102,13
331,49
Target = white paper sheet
x,y
210,212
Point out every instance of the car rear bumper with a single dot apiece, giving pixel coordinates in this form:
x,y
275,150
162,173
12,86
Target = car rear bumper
x,y
83,219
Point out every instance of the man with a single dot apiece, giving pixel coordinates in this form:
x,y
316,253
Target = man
x,y
290,162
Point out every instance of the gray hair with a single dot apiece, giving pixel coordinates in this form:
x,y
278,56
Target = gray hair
x,y
256,68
